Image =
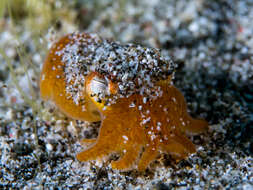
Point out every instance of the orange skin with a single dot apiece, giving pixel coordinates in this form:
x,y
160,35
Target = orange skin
x,y
137,133
52,86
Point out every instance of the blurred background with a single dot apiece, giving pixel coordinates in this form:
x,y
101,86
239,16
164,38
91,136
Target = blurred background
x,y
210,41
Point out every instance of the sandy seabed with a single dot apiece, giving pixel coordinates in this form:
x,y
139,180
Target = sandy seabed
x,y
212,44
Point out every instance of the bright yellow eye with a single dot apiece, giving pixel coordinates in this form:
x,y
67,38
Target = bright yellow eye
x,y
99,89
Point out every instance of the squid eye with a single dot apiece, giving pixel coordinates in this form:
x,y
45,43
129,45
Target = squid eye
x,y
98,87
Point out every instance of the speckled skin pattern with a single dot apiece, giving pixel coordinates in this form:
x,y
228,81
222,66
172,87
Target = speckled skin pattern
x,y
135,124
52,86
